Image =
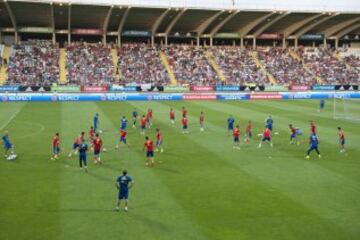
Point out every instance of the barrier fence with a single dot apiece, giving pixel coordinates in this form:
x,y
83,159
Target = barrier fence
x,y
68,97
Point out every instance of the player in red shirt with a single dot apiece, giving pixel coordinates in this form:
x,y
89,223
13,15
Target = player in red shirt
x,y
202,121
313,127
236,134
184,112
77,143
266,137
149,116
293,134
123,135
92,134
143,122
149,146
341,139
56,146
248,134
172,116
97,143
159,140
184,123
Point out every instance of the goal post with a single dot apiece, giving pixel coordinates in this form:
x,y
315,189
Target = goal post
x,y
346,108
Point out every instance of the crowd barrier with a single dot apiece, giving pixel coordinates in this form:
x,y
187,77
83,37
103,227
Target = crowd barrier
x,y
71,97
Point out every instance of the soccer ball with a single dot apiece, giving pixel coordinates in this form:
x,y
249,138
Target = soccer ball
x,y
100,131
104,150
11,157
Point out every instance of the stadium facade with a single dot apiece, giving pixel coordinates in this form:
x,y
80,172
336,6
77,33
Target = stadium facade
x,y
284,23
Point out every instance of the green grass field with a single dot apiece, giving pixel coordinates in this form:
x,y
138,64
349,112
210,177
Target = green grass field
x,y
203,189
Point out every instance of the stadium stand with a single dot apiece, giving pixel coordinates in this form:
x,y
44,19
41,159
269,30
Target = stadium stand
x,y
140,63
190,65
89,64
285,68
35,62
237,65
323,64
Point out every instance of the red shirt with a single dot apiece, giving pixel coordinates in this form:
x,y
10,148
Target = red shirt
x,y
159,136
267,133
184,113
143,121
123,134
184,121
149,114
56,141
97,144
172,114
149,145
236,132
248,128
293,130
313,128
92,133
341,135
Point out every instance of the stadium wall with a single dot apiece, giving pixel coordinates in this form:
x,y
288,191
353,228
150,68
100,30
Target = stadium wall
x,y
113,97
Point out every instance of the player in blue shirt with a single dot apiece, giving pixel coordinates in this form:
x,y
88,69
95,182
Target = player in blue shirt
x,y
314,142
269,123
123,184
9,151
83,148
231,122
123,123
322,105
134,117
96,122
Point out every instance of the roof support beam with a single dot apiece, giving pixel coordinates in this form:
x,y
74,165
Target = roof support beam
x,y
106,23
311,26
121,25
292,28
347,30
13,20
201,29
268,24
222,23
52,21
156,25
337,27
172,24
69,23
244,30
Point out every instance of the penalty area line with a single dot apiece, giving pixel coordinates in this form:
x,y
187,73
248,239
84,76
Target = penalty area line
x,y
9,120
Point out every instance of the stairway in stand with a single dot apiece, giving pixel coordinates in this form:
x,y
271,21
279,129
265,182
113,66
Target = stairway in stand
x,y
62,66
262,68
3,69
115,60
170,72
215,66
297,57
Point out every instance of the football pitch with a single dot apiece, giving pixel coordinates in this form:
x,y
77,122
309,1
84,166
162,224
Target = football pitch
x,y
200,188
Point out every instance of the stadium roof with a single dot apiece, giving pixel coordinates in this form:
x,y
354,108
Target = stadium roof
x,y
105,19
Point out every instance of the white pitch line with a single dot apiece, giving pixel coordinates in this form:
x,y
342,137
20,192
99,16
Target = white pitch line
x,y
9,120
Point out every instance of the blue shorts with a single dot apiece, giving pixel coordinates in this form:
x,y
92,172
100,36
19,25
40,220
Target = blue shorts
x,y
270,127
342,142
123,194
266,139
172,118
312,147
75,146
56,150
322,106
158,143
292,136
82,157
96,152
236,139
249,134
123,140
230,127
143,127
123,128
149,154
185,126
7,146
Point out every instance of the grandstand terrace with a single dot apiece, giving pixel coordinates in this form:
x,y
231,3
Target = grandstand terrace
x,y
189,42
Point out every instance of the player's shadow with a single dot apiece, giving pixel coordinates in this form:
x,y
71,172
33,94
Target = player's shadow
x,y
82,210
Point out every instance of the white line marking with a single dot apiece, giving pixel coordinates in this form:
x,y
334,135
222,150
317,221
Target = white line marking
x,y
9,120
